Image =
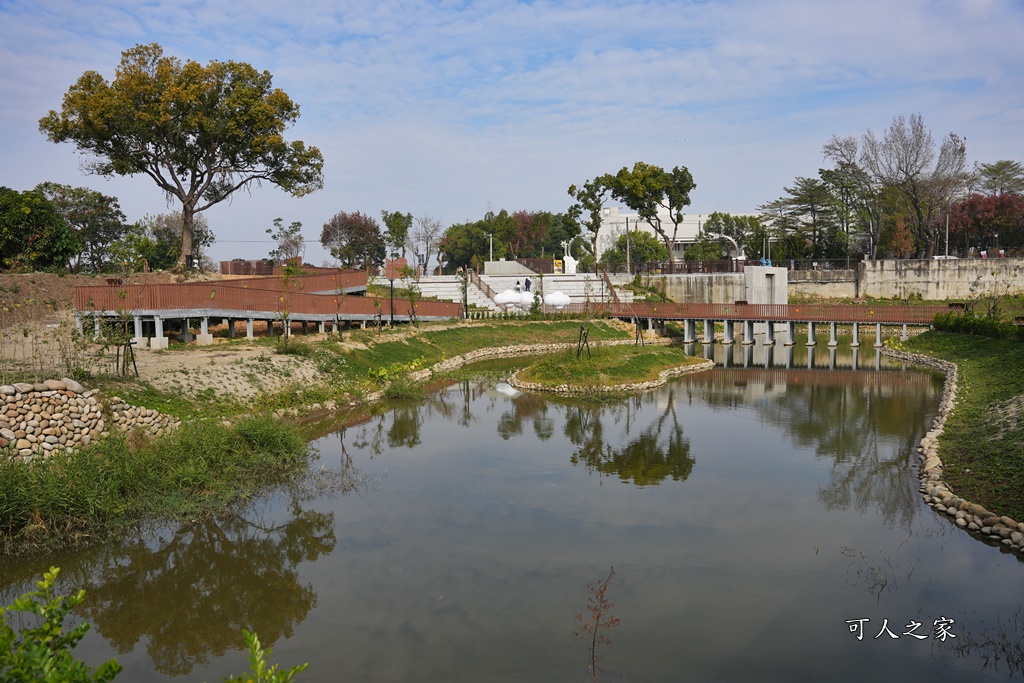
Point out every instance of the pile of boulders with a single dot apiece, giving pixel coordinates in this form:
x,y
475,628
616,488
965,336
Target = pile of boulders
x,y
38,420
55,415
129,418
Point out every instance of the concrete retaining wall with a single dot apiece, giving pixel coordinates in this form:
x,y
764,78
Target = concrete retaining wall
x,y
941,280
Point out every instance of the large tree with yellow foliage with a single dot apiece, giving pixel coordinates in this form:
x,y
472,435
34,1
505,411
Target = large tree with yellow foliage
x,y
199,132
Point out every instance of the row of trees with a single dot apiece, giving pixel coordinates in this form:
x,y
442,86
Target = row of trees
x,y
901,194
59,227
356,240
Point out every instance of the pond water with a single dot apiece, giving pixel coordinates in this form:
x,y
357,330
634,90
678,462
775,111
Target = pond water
x,y
753,514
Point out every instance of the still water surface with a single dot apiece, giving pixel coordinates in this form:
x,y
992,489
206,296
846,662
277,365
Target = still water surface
x,y
750,513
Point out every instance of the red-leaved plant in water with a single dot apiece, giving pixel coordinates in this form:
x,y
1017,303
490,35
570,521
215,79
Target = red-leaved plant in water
x,y
597,617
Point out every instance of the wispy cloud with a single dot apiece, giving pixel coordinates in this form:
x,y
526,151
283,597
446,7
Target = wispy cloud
x,y
448,107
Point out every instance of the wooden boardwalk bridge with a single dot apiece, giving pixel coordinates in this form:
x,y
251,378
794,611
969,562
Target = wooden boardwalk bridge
x,y
335,297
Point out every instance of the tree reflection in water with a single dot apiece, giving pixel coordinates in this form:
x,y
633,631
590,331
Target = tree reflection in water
x,y
190,595
846,417
659,451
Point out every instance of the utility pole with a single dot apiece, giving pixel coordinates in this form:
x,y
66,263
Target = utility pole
x,y
628,269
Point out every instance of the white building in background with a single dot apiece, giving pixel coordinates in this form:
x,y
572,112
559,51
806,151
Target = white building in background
x,y
615,222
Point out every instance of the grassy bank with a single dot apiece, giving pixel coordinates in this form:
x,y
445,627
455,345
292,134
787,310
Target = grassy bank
x,y
198,469
982,448
605,366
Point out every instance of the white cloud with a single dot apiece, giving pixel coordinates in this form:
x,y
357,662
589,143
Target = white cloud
x,y
443,108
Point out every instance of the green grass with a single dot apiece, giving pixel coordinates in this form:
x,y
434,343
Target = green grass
x,y
196,470
206,402
605,366
982,447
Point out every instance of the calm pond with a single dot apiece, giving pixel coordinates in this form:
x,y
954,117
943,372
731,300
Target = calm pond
x,y
762,519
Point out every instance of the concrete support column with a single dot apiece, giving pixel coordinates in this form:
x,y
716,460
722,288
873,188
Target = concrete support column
x,y
689,331
769,333
833,340
304,327
96,325
878,335
159,340
248,330
790,333
321,327
748,332
905,336
730,332
811,339
810,357
78,323
204,338
709,331
856,341
139,339
231,327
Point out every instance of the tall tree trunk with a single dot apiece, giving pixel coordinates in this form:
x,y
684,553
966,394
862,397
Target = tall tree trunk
x,y
187,220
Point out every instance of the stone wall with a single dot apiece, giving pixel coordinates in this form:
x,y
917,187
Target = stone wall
x,y
940,280
935,280
756,284
825,284
57,416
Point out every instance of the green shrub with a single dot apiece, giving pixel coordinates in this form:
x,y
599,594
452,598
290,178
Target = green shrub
x,y
965,323
44,652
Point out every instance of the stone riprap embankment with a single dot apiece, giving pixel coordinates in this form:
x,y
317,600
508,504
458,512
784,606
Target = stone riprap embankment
x,y
967,515
38,420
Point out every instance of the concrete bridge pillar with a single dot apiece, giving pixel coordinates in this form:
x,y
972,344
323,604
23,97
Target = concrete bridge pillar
x,y
689,331
139,339
833,340
96,325
748,332
878,335
904,336
709,331
248,330
730,332
230,322
790,333
810,357
321,327
204,338
811,339
159,341
856,342
769,333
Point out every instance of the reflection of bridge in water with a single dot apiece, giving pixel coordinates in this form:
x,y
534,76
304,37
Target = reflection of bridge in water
x,y
791,357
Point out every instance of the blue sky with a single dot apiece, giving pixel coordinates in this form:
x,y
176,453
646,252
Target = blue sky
x,y
452,108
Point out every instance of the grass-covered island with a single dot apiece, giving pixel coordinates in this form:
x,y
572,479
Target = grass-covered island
x,y
607,370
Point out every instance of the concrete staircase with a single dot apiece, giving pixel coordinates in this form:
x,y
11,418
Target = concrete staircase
x,y
445,288
579,288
